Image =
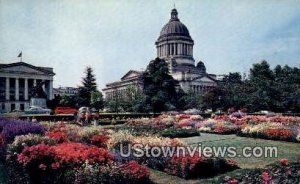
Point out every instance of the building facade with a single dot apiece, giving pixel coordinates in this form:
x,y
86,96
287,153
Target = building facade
x,y
16,81
121,88
175,46
65,91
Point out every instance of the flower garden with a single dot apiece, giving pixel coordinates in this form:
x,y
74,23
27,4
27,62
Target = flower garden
x,y
61,152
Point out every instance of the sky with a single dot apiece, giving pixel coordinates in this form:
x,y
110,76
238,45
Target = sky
x,y
114,36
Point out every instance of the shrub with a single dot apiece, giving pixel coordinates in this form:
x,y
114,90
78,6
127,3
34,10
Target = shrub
x,y
100,140
77,153
173,132
130,172
28,140
195,166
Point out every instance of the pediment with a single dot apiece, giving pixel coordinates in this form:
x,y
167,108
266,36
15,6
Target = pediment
x,y
24,68
21,69
203,79
131,74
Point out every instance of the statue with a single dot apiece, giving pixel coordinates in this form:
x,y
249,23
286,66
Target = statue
x,y
37,91
38,96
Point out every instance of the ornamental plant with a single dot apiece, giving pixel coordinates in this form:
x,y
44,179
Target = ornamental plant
x,y
77,153
58,136
12,128
195,166
100,140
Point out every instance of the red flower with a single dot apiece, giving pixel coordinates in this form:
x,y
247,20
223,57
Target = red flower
x,y
57,135
233,181
99,140
134,170
284,162
266,177
78,153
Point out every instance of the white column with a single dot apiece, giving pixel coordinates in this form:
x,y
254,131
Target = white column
x,y
180,47
7,90
34,82
16,89
43,86
26,89
51,90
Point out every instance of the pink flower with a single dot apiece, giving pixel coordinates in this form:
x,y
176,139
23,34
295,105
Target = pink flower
x,y
266,177
233,181
284,162
43,167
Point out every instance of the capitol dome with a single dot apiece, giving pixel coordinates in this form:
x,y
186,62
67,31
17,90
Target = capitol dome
x,y
175,41
174,28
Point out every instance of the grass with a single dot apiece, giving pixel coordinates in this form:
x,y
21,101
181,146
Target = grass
x,y
2,173
287,150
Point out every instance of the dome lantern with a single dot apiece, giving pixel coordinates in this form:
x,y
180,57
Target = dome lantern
x,y
174,15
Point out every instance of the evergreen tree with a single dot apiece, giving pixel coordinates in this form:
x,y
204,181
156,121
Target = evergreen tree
x,y
159,87
88,86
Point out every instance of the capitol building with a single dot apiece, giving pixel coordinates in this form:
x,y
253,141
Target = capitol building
x,y
175,46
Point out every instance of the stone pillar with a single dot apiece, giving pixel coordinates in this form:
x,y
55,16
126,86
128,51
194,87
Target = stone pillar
x,y
179,48
26,89
168,49
43,86
16,89
51,90
7,89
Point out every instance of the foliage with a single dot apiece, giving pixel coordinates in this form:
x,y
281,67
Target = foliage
x,y
274,173
159,87
88,86
11,128
265,89
97,100
174,132
195,166
274,131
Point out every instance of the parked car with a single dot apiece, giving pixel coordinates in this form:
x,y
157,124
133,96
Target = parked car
x,y
65,110
37,110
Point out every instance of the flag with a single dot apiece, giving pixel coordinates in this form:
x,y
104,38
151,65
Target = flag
x,y
20,55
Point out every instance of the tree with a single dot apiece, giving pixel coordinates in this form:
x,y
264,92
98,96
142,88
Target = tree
x,y
159,87
97,101
88,86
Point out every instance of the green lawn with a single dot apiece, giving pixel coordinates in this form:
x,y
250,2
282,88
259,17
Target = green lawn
x,y
287,150
2,174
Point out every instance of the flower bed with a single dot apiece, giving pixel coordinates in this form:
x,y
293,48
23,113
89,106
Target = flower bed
x,y
274,173
9,129
185,166
217,126
55,158
273,131
178,133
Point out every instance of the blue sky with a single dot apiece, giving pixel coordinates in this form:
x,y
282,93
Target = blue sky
x,y
114,36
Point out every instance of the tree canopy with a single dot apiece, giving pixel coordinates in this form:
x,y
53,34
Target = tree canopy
x,y
159,87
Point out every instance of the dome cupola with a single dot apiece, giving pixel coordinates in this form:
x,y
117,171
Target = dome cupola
x,y
175,41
